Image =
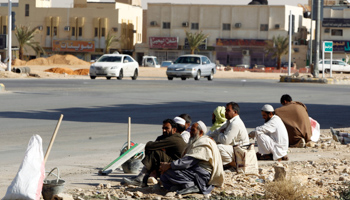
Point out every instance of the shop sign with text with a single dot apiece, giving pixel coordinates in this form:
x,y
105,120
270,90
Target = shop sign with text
x,y
73,46
240,42
163,42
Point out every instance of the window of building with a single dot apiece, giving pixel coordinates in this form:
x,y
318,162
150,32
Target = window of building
x,y
48,30
103,32
337,32
226,27
80,31
4,29
194,26
54,31
264,27
73,31
26,11
96,32
166,25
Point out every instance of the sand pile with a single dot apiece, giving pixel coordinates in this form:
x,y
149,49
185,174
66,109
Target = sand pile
x,y
53,60
69,71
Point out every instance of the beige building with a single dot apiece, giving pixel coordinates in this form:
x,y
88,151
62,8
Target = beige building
x,y
237,33
80,30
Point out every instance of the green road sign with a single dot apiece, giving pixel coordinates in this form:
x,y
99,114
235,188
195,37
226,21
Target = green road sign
x,y
328,46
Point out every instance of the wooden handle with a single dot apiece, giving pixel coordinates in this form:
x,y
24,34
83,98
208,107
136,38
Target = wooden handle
x,y
129,132
53,138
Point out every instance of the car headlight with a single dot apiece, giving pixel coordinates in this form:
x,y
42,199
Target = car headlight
x,y
190,69
113,68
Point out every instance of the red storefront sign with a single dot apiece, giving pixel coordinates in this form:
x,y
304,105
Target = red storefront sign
x,y
163,42
73,46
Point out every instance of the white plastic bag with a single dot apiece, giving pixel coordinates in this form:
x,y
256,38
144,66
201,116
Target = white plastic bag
x,y
315,126
29,179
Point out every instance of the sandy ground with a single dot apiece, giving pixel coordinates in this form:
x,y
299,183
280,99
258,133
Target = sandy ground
x,y
320,168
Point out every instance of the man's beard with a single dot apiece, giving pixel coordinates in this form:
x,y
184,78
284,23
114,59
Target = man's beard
x,y
213,121
268,119
194,139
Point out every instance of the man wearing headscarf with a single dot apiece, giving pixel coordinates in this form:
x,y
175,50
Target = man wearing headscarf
x,y
233,132
199,170
272,137
296,119
218,118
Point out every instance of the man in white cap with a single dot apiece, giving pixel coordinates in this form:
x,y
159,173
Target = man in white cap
x,y
181,128
199,170
233,132
272,137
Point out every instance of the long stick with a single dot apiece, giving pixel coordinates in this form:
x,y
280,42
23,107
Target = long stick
x,y
129,130
53,138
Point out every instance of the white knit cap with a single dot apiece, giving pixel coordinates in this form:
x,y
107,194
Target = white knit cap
x,y
267,108
179,120
203,126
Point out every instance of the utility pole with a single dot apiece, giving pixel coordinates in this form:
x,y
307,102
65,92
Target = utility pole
x,y
317,39
311,34
290,42
9,37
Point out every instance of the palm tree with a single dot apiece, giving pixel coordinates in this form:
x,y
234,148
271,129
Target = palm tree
x,y
278,47
110,39
25,37
195,39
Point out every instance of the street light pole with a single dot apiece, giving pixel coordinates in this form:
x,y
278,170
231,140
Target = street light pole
x,y
9,37
311,34
317,39
290,42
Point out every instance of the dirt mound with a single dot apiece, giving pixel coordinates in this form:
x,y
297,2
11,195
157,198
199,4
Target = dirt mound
x,y
38,61
60,70
18,62
66,60
81,72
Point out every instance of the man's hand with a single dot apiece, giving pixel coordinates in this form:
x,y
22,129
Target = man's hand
x,y
252,134
164,166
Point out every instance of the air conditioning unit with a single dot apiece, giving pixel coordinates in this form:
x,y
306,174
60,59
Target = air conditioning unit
x,y
277,26
327,30
238,25
153,23
40,28
245,52
67,28
185,24
115,29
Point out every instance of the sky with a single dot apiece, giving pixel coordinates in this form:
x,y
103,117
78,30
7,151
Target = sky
x,y
67,3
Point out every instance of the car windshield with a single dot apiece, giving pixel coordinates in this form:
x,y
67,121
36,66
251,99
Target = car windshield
x,y
157,63
166,63
187,60
110,59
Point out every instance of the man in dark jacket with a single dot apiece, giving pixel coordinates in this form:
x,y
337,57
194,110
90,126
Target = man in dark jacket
x,y
167,147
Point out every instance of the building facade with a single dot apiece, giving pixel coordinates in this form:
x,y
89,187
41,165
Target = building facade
x,y
237,33
80,30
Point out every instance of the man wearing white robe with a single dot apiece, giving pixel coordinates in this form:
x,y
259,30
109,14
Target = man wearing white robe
x,y
272,137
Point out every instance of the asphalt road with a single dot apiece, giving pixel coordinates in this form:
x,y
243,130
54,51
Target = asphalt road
x,y
96,111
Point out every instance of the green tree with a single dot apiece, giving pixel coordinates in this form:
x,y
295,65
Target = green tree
x,y
110,39
195,39
278,47
25,37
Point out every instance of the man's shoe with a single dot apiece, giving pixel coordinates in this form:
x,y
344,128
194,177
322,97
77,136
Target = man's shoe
x,y
301,143
135,181
264,157
335,134
284,158
193,189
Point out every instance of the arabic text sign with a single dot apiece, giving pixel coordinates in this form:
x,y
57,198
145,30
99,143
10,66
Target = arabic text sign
x,y
73,46
341,46
239,42
163,42
328,46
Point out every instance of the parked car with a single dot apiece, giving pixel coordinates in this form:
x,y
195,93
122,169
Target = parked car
x,y
166,63
337,66
191,66
258,68
114,65
150,61
243,66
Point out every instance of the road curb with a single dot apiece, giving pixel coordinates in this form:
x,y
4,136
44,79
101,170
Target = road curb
x,y
2,87
290,79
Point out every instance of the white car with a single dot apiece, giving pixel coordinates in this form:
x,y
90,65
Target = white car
x,y
115,65
191,66
337,66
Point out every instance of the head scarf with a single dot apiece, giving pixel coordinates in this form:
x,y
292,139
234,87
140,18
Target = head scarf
x,y
219,113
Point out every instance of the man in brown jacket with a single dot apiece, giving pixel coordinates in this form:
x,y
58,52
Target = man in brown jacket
x,y
296,119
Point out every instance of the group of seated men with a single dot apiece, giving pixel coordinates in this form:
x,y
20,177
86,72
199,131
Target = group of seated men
x,y
193,161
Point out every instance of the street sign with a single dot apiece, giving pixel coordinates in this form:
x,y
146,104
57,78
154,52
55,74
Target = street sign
x,y
328,46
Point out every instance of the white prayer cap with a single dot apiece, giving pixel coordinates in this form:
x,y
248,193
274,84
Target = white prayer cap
x,y
179,120
203,126
267,108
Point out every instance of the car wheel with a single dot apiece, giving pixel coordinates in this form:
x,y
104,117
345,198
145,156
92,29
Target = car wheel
x,y
211,76
120,77
108,77
198,76
183,78
170,78
327,71
92,77
136,73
